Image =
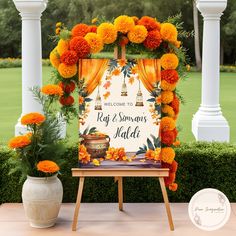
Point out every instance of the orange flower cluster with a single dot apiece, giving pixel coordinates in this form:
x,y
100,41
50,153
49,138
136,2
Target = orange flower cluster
x,y
170,180
116,154
69,58
47,166
153,154
32,118
19,141
67,87
52,90
80,46
84,157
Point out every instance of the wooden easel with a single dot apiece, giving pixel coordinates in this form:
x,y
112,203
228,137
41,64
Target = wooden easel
x,y
118,174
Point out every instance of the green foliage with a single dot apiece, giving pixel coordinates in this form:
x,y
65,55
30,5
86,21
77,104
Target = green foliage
x,y
201,165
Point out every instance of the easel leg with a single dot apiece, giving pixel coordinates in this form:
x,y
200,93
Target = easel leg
x,y
167,205
120,193
78,201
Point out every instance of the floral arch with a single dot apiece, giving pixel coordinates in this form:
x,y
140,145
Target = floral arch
x,y
146,37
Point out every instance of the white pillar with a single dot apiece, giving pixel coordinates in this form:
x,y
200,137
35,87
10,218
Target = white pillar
x,y
30,12
208,123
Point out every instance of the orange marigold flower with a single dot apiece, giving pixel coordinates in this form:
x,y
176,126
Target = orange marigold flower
x,y
19,141
153,40
107,32
168,137
81,100
84,156
54,58
175,104
93,29
167,123
121,154
47,166
57,31
177,44
52,89
81,46
66,100
170,179
176,143
95,42
80,30
62,46
173,187
67,71
167,97
116,72
169,61
112,154
124,24
167,154
32,118
172,167
67,87
150,23
137,34
153,154
167,86
168,110
171,76
124,41
69,57
168,32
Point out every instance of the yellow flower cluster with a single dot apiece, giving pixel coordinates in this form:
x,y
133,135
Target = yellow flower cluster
x,y
124,24
137,34
107,32
67,71
95,42
62,46
169,61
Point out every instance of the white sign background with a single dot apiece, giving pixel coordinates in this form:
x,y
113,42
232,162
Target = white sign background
x,y
110,107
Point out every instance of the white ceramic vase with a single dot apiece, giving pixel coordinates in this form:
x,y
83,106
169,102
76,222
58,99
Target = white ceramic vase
x,y
42,199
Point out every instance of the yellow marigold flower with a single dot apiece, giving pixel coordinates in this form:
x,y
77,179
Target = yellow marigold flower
x,y
168,110
124,24
57,31
96,162
62,46
19,141
94,20
169,61
48,166
167,97
153,154
58,24
32,118
67,71
167,155
137,34
188,67
54,58
95,42
168,32
107,32
52,89
167,86
167,123
177,43
84,157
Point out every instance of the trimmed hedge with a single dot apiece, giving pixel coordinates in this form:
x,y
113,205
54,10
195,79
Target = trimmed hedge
x,y
201,165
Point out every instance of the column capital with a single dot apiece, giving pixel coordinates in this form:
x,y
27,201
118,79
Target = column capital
x,y
211,9
30,9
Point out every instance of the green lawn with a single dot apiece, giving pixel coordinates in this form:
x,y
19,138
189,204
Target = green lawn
x,y
10,102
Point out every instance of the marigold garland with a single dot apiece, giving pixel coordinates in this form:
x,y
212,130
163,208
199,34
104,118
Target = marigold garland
x,y
168,110
107,32
167,123
67,71
95,42
167,97
19,141
67,87
47,166
167,86
32,118
153,40
69,58
168,137
169,61
66,100
175,104
52,90
170,76
138,34
124,24
62,46
80,30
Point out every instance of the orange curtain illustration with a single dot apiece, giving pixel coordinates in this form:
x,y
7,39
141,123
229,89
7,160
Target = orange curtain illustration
x,y
92,71
149,71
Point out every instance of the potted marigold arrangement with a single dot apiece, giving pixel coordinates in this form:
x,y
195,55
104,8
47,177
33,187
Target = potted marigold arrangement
x,y
38,157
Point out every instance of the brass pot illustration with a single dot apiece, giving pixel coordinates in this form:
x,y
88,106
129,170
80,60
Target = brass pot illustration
x,y
96,145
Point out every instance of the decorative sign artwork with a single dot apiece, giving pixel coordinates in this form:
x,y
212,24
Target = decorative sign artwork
x,y
120,105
